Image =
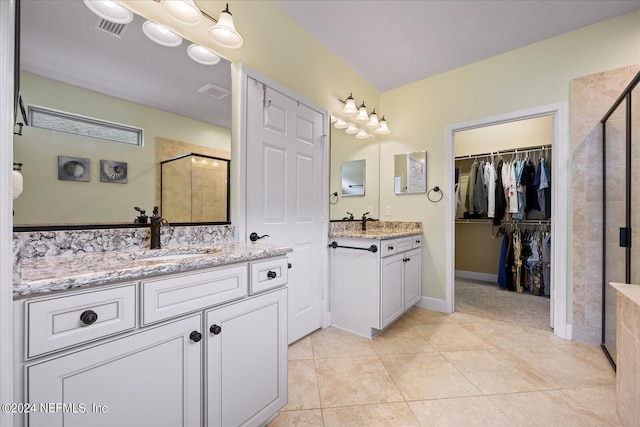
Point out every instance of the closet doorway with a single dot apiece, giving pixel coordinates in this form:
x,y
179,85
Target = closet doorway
x,y
476,242
503,222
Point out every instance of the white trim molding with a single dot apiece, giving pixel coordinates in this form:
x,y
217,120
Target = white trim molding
x,y
474,275
433,304
7,120
560,212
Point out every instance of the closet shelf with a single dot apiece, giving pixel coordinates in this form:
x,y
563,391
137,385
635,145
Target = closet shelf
x,y
504,221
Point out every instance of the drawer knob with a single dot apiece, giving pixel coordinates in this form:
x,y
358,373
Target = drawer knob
x,y
271,274
195,336
417,240
289,265
215,329
390,247
88,317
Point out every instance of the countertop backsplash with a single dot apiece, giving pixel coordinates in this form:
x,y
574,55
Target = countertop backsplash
x,y
36,244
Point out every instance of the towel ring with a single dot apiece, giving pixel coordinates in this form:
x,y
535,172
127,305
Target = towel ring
x,y
437,190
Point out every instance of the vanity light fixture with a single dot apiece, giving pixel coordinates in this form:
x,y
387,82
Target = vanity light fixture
x,y
374,123
109,10
349,106
362,116
383,129
340,124
224,32
183,11
202,55
161,35
357,121
352,129
362,135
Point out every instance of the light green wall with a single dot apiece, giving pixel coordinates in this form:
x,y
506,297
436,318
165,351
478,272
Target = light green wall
x,y
532,76
46,200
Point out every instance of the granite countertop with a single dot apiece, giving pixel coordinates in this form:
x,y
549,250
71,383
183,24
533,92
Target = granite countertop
x,y
379,234
630,291
55,273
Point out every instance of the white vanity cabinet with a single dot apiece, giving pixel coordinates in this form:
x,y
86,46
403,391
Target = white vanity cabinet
x,y
184,349
370,290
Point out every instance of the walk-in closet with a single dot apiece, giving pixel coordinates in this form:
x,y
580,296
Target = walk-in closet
x,y
503,224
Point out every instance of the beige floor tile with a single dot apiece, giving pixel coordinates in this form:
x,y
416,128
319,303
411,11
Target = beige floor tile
x,y
544,409
387,414
350,381
303,385
400,338
333,342
301,349
450,337
424,376
307,418
493,374
419,316
599,400
475,411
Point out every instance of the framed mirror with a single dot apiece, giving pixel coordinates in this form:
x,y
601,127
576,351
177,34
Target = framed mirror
x,y
410,173
353,176
88,72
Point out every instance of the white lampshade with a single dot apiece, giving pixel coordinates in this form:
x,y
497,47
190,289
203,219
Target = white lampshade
x,y
373,120
383,129
362,116
350,106
106,9
183,11
224,32
161,35
362,135
333,118
341,124
202,55
352,130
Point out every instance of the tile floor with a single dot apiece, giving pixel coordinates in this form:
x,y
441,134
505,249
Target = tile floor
x,y
434,369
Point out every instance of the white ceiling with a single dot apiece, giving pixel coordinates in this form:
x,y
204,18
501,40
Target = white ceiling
x,y
393,43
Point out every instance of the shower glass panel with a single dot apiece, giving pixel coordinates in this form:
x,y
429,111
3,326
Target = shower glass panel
x,y
194,188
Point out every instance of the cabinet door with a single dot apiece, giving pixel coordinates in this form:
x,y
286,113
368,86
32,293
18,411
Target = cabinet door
x,y
150,378
391,289
247,360
412,280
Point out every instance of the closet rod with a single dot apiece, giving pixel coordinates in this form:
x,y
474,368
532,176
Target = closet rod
x,y
505,222
502,153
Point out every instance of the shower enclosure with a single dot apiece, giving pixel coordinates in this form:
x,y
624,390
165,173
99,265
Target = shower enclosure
x,y
621,204
194,188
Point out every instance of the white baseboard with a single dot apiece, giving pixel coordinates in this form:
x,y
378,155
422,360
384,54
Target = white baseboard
x,y
474,275
433,304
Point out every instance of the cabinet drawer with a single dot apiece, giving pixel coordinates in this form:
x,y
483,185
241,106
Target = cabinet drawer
x,y
55,323
388,247
175,295
416,241
403,244
268,274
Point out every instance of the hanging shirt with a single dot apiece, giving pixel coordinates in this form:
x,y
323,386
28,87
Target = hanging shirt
x,y
480,192
468,200
512,194
500,199
490,182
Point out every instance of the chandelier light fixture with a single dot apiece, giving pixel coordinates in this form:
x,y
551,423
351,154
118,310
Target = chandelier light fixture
x,y
357,121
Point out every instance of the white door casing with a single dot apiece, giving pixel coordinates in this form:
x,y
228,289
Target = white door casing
x,y
286,162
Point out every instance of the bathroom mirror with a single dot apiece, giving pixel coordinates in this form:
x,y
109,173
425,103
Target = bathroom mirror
x,y
410,173
73,63
353,174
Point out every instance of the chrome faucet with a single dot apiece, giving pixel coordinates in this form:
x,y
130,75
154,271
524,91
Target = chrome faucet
x,y
156,222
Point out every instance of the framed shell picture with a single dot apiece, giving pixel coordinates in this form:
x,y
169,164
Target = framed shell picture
x,y
73,169
112,171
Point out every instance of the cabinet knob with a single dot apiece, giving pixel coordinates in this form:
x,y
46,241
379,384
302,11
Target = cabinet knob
x,y
88,317
417,240
271,274
215,329
390,247
289,265
195,336
408,259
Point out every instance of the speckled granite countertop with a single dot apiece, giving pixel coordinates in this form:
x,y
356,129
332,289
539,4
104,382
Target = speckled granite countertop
x,y
55,273
375,229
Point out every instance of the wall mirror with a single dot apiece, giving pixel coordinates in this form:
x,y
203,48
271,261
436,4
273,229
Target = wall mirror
x,y
410,173
353,175
72,62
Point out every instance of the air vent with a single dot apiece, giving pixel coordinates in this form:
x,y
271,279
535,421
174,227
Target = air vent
x,y
214,91
110,27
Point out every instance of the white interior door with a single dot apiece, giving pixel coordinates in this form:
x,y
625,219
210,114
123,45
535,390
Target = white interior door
x,y
286,157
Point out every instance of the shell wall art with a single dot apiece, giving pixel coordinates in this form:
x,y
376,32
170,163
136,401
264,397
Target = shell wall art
x,y
73,169
112,171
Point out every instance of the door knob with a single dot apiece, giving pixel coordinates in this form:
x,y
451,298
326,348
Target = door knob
x,y
215,329
254,236
195,336
88,317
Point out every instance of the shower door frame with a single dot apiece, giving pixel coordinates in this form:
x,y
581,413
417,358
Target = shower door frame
x,y
625,237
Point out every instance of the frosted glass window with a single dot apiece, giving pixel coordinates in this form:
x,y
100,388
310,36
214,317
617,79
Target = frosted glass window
x,y
45,118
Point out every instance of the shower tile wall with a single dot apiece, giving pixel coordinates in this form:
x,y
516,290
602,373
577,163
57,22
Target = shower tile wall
x,y
591,98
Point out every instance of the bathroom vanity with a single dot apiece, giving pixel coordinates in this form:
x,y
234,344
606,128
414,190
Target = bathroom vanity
x,y
189,337
375,276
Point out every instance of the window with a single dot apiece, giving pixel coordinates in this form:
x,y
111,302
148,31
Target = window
x,y
45,118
